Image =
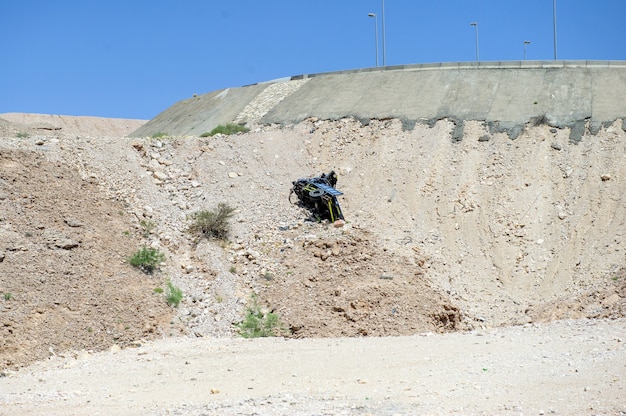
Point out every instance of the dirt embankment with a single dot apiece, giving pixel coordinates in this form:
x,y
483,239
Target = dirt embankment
x,y
52,124
440,236
66,284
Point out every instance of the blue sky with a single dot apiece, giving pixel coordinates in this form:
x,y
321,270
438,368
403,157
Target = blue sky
x,y
135,58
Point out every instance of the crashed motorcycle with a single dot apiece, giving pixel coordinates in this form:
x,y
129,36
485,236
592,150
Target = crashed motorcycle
x,y
318,195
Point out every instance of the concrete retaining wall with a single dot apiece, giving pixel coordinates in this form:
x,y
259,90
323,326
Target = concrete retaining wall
x,y
504,94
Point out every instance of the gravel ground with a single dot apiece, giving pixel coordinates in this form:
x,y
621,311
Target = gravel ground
x,y
565,368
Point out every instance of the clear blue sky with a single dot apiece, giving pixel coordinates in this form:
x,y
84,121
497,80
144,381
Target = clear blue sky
x,y
135,58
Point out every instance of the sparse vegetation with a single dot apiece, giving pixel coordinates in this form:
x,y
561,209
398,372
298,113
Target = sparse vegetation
x,y
232,269
258,323
212,224
158,290
22,135
7,296
147,227
159,135
147,259
227,129
174,294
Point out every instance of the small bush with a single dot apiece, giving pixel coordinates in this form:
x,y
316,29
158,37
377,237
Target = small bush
x,y
257,323
147,227
147,259
159,135
22,135
7,296
212,224
227,129
174,294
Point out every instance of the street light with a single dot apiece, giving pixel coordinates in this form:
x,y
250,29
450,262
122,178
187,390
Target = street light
x,y
384,49
526,42
475,24
376,33
554,18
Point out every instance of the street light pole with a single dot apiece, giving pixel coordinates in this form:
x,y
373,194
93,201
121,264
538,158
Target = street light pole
x,y
526,42
384,48
554,18
376,32
475,24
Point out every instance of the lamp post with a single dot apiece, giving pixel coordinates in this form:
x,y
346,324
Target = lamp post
x,y
526,42
475,24
384,48
375,32
554,19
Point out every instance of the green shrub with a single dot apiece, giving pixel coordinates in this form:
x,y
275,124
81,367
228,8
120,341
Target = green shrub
x,y
174,294
22,135
212,224
147,259
159,134
7,296
227,129
257,323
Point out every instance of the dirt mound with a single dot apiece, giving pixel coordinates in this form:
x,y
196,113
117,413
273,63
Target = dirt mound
x,y
603,302
65,282
440,235
340,283
12,124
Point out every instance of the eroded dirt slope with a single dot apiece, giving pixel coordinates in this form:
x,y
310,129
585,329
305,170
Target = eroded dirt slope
x,y
440,235
64,279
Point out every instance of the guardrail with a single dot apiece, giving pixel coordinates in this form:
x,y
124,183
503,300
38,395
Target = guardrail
x,y
470,65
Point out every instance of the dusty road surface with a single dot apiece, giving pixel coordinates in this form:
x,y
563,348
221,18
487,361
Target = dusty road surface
x,y
563,368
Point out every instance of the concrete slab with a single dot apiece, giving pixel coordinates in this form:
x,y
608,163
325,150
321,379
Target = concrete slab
x,y
508,93
200,114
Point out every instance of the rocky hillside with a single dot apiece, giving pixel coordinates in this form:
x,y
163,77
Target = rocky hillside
x,y
440,235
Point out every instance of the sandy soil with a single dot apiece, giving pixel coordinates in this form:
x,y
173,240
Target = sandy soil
x,y
50,124
565,368
476,243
